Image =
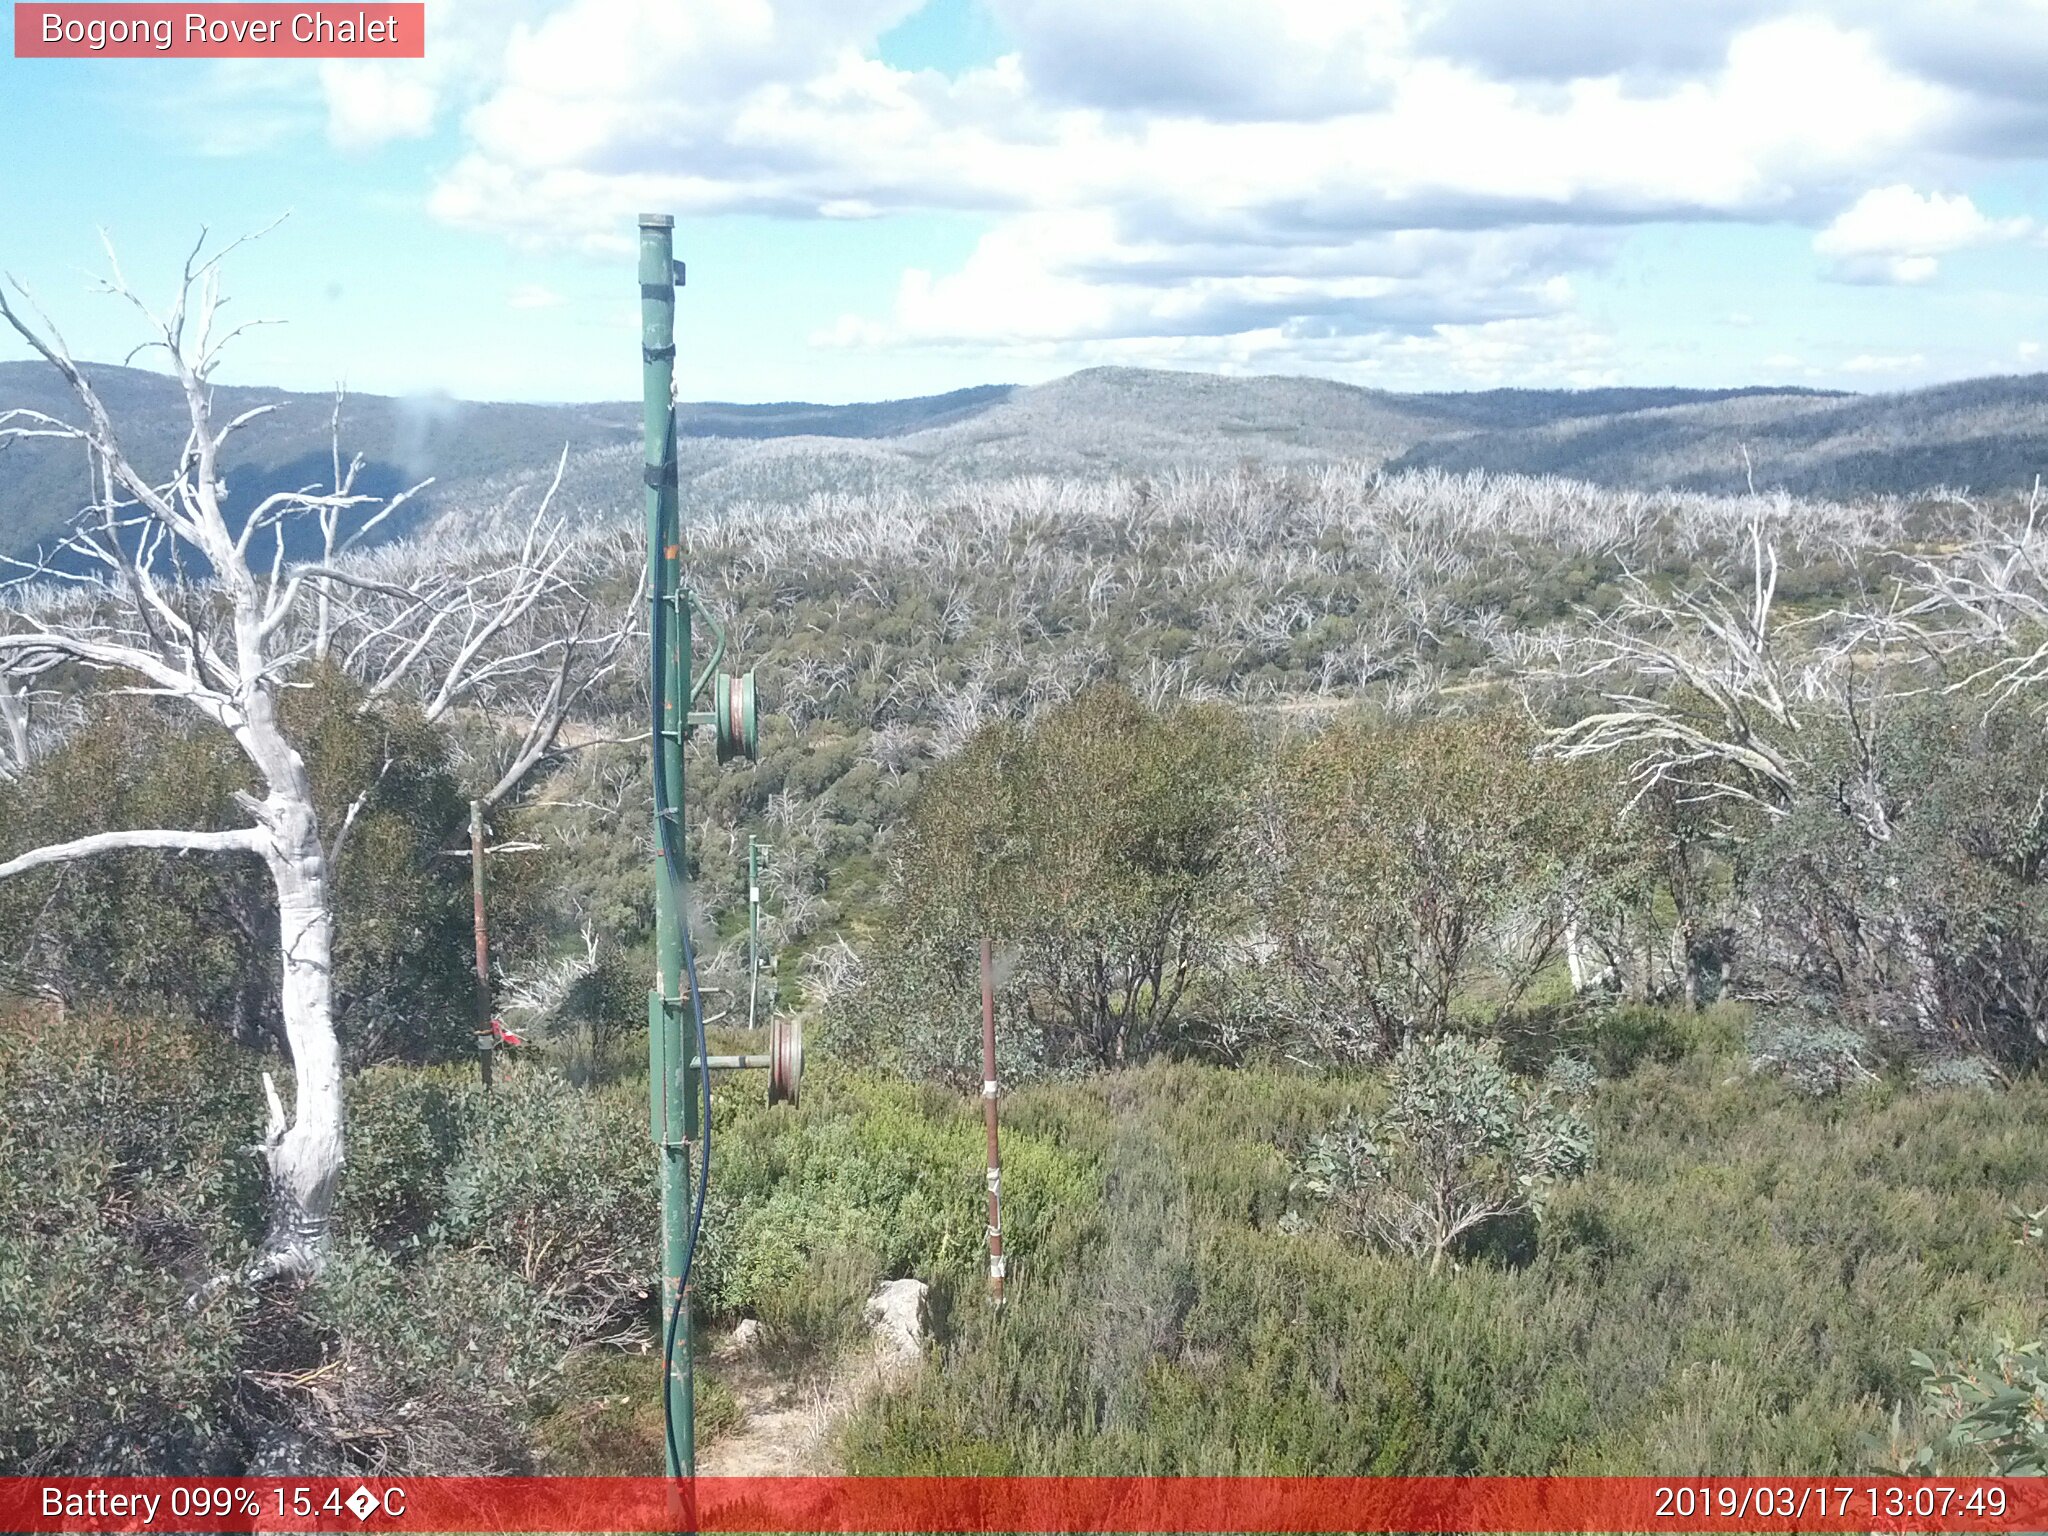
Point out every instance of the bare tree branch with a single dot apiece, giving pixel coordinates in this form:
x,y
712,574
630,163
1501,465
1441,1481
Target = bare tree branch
x,y
237,840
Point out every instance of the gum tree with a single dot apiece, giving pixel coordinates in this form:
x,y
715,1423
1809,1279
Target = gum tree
x,y
200,610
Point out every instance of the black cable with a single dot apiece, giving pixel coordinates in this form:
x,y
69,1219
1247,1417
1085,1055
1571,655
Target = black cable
x,y
675,1316
672,854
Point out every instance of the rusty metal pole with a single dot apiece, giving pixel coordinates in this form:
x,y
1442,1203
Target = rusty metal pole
x,y
989,1090
485,1044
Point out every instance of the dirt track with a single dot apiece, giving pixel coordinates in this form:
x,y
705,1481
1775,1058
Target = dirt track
x,y
789,1421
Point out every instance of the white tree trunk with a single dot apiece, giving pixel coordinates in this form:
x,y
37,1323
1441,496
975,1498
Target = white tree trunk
x,y
305,1157
226,649
1684,944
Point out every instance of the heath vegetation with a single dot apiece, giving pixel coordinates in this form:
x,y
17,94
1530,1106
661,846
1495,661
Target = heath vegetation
x,y
1494,974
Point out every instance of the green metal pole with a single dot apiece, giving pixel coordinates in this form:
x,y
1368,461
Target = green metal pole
x,y
671,1078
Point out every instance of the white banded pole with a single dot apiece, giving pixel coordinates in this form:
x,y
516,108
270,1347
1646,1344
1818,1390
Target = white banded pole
x,y
988,1106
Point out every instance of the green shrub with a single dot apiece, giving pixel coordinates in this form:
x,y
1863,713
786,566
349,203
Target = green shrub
x,y
602,1416
555,1185
1097,845
1412,871
151,931
1988,1415
1931,939
482,1238
869,1180
1814,1054
426,1367
121,1199
405,1129
1629,1034
1951,1072
1459,1145
915,1009
1733,1286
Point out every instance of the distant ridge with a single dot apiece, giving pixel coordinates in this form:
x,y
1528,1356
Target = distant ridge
x,y
1988,434
1498,409
881,418
468,447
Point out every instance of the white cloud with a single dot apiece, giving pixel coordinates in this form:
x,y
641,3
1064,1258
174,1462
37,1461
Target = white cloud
x,y
370,102
1266,175
1562,40
1559,352
1074,278
717,109
534,296
1869,362
1896,235
1226,60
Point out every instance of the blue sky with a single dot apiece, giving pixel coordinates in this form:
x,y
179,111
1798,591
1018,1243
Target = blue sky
x,y
879,198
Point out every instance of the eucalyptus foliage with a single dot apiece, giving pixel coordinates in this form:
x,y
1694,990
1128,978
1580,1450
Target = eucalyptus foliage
x,y
1408,869
1459,1144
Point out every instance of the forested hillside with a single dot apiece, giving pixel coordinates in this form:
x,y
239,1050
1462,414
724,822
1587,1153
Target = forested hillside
x,y
1496,976
485,459
471,451
488,461
1980,434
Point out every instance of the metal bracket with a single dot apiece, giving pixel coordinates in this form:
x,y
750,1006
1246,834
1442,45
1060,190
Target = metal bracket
x,y
717,636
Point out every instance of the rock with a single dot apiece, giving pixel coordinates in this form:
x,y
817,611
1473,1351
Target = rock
x,y
896,1318
744,1339
283,1452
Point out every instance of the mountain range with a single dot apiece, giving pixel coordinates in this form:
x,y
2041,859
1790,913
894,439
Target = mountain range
x,y
487,460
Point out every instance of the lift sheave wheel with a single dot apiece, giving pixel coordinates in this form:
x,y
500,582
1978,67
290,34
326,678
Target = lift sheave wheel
x,y
738,727
785,1060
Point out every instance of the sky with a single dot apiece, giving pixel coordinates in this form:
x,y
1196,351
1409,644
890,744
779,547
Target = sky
x,y
880,198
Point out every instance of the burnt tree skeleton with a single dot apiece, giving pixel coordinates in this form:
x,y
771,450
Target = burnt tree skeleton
x,y
1723,726
227,645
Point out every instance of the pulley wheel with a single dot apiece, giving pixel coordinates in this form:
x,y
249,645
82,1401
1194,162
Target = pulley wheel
x,y
738,728
785,1060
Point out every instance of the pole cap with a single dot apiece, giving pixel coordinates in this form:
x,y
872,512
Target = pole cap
x,y
657,221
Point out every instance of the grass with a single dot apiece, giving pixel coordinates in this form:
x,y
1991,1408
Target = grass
x,y
604,1420
1735,1288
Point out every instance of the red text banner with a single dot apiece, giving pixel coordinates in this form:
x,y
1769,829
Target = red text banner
x,y
107,29
1021,1504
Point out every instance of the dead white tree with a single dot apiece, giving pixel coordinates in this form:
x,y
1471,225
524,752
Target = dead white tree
x,y
14,729
1983,609
506,634
1718,720
1714,714
207,615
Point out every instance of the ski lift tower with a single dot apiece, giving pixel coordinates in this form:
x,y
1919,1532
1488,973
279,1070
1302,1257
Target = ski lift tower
x,y
679,1062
